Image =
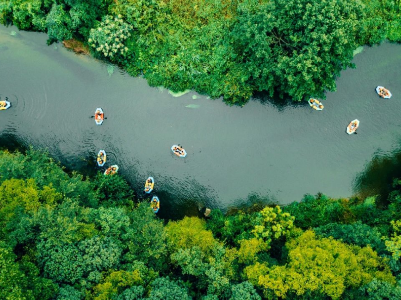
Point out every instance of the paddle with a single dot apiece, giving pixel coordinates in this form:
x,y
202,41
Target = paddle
x,y
105,118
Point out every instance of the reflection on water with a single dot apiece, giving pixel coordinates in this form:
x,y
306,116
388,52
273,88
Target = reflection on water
x,y
273,151
377,178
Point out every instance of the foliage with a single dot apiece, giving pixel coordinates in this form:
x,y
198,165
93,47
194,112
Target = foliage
x,y
375,290
68,292
230,229
357,234
296,47
272,223
22,280
244,291
394,243
145,238
315,211
58,24
324,265
166,289
188,233
66,237
112,190
110,36
116,283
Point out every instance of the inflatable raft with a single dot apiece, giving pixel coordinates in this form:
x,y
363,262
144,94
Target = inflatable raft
x,y
315,104
4,104
353,126
155,204
111,170
149,184
179,151
383,92
101,158
99,116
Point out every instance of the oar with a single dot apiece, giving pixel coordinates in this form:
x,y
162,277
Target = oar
x,y
105,118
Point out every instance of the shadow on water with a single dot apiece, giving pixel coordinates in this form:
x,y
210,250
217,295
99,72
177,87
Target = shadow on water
x,y
280,103
12,143
378,176
254,202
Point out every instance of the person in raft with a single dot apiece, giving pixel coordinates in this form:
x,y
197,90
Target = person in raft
x,y
383,92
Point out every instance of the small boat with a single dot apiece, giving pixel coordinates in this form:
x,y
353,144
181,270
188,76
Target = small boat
x,y
149,184
4,104
99,116
383,92
353,126
111,170
155,204
101,158
315,104
178,150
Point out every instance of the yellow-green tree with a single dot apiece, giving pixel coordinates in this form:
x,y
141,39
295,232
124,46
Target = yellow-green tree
x,y
393,245
190,232
272,223
324,266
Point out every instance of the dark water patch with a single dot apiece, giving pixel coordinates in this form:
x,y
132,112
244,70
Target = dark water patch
x,y
377,178
12,143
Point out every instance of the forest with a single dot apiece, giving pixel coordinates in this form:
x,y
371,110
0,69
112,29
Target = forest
x,y
68,236
288,49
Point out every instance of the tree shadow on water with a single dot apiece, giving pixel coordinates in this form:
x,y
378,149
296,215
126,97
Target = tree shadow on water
x,y
12,143
378,176
254,202
280,103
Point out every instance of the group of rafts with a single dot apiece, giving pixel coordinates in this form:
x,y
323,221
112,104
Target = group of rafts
x,y
180,152
353,126
150,182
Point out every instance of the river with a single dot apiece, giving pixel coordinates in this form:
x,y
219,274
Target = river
x,y
260,152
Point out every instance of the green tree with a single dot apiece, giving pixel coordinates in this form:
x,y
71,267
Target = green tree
x,y
112,190
325,266
315,211
244,291
166,289
357,234
145,238
375,290
393,244
190,232
109,38
296,47
22,280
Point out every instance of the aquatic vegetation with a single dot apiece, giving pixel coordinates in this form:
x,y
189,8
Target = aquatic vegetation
x,y
192,106
110,70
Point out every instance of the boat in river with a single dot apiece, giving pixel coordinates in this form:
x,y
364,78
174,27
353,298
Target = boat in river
x,y
383,92
155,204
353,126
111,170
149,185
4,104
99,116
101,158
178,150
315,104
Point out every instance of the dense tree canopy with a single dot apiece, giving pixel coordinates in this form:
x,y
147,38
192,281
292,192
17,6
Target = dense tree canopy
x,y
60,243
